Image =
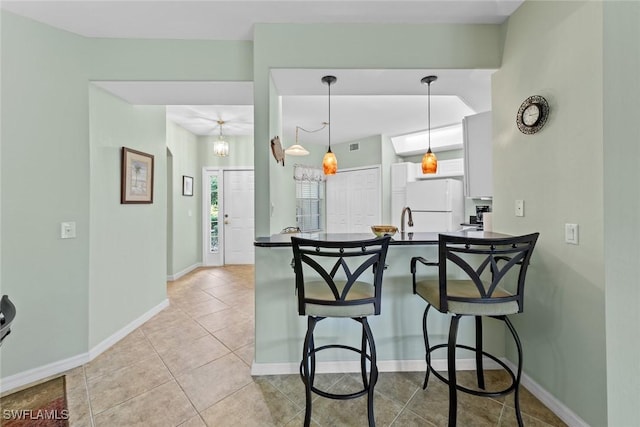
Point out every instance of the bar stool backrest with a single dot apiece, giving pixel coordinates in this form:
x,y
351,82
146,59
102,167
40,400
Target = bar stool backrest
x,y
490,263
339,265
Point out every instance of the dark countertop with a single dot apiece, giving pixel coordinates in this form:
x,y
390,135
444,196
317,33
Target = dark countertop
x,y
399,239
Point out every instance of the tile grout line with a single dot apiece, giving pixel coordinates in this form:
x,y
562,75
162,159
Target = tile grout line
x,y
406,404
86,388
173,378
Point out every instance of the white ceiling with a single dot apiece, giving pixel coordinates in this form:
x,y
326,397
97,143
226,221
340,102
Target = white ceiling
x,y
364,102
373,102
234,20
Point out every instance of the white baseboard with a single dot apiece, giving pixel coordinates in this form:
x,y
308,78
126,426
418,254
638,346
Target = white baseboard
x,y
111,340
176,276
52,369
549,400
41,372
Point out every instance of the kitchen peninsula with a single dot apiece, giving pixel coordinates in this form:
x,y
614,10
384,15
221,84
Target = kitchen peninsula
x,y
398,329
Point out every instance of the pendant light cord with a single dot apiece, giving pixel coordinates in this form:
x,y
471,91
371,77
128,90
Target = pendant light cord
x,y
429,112
220,123
324,125
329,85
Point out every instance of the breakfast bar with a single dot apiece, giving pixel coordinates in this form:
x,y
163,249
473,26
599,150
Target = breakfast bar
x,y
279,330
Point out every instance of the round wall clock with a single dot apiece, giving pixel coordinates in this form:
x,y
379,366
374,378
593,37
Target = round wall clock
x,y
532,114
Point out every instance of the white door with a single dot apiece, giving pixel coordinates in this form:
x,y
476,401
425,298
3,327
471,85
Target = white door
x,y
354,200
238,217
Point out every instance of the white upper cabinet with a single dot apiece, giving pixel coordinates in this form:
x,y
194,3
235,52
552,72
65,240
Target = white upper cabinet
x,y
478,155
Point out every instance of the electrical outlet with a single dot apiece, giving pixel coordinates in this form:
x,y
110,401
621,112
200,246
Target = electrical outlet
x,y
519,207
571,234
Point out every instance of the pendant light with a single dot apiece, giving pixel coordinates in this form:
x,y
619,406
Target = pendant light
x,y
329,162
429,160
221,146
296,149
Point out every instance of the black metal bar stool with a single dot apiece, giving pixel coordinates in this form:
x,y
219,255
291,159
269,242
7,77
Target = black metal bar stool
x,y
339,279
476,277
7,314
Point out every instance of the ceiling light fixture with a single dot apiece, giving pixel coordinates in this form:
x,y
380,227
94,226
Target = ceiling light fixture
x,y
429,160
221,146
299,150
329,162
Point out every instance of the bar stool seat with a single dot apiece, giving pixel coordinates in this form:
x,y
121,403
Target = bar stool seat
x,y
339,280
358,291
429,290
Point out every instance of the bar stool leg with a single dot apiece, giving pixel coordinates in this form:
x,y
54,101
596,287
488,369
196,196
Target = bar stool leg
x,y
451,366
479,365
373,378
427,355
308,372
516,396
363,354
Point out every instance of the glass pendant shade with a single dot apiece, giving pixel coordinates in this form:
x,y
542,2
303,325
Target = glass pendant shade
x,y
429,162
330,163
221,148
296,150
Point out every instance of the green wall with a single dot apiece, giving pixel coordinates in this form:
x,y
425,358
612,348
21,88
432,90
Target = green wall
x,y
184,212
369,153
555,49
127,242
622,208
45,180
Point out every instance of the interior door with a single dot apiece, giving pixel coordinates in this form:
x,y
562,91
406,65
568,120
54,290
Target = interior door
x,y
238,217
354,200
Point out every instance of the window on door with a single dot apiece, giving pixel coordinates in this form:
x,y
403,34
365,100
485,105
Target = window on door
x,y
213,215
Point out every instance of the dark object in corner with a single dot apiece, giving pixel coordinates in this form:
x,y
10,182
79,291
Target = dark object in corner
x,y
7,314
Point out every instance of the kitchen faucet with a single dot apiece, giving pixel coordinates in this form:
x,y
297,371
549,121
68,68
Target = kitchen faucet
x,y
410,224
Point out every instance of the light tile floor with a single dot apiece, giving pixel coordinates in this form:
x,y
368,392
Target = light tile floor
x,y
190,366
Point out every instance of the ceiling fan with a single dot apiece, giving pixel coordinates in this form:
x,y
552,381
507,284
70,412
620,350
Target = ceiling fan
x,y
204,120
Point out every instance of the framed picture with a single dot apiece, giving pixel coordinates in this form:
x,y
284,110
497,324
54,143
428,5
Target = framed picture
x,y
136,178
187,185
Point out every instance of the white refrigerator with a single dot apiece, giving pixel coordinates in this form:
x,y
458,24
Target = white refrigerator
x,y
436,204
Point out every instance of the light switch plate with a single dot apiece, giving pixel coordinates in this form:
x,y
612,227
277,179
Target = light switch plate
x,y
571,234
68,230
519,207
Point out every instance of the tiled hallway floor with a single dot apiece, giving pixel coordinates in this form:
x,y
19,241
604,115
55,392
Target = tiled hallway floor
x,y
190,366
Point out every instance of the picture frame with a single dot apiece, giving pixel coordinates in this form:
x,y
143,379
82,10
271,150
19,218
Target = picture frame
x,y
187,185
136,177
